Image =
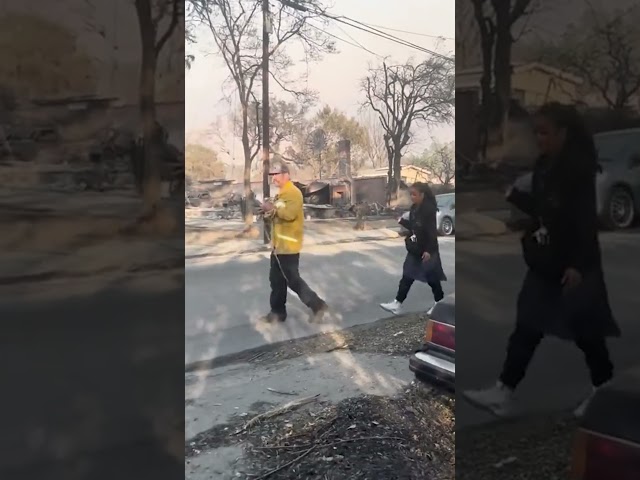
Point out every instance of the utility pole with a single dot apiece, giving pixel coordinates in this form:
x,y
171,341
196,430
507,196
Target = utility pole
x,y
266,28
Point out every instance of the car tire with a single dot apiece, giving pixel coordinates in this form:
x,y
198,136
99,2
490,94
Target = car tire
x,y
446,227
619,211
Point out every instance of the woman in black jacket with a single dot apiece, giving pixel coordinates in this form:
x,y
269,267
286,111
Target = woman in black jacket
x,y
422,262
564,292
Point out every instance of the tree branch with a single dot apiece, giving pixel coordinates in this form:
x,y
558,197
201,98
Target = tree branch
x,y
175,17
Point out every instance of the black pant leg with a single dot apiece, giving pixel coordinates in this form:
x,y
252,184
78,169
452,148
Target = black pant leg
x,y
597,357
436,289
403,288
291,268
278,283
522,345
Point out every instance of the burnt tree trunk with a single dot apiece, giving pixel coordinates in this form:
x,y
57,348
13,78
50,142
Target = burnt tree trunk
x,y
502,69
396,167
397,171
487,40
248,200
151,183
505,17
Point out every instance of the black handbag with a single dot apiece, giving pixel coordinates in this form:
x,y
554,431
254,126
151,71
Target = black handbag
x,y
411,244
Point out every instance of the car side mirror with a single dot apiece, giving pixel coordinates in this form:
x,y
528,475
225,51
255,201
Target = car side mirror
x,y
453,206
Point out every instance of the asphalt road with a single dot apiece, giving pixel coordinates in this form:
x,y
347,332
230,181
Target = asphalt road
x,y
225,297
489,274
90,378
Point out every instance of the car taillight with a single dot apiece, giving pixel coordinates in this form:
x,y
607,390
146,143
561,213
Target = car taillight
x,y
441,334
597,457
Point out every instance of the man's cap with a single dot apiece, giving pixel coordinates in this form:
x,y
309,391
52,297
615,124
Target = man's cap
x,y
278,167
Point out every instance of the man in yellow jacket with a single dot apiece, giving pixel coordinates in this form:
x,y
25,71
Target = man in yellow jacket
x,y
286,215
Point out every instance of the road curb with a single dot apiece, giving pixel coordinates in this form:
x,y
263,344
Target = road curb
x,y
251,354
62,275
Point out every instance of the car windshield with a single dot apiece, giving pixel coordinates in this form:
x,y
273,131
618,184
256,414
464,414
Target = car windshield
x,y
616,146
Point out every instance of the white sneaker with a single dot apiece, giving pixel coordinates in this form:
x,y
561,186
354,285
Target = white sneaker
x,y
394,307
497,399
430,311
582,408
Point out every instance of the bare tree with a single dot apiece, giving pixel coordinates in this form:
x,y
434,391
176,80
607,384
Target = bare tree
x,y
496,20
441,163
487,28
405,95
158,20
375,149
604,50
507,13
285,119
190,39
234,27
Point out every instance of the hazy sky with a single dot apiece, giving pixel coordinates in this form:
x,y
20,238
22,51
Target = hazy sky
x,y
337,77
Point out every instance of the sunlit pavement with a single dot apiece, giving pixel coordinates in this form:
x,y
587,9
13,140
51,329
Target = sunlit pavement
x,y
490,273
225,297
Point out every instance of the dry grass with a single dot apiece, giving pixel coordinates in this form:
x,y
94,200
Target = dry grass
x,y
409,436
530,448
400,335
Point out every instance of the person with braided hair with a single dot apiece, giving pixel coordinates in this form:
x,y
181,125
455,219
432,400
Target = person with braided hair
x,y
564,292
422,262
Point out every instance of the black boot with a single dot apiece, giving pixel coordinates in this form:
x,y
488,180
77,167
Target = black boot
x,y
319,312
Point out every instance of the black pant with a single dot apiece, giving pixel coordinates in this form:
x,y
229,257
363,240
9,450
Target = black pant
x,y
285,272
405,286
524,341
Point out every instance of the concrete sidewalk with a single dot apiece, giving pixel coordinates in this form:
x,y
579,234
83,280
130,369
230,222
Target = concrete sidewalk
x,y
93,265
211,239
243,246
66,243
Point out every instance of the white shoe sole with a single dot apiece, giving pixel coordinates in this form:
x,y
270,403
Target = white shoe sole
x,y
391,310
496,410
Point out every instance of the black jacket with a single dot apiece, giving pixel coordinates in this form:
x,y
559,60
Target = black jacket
x,y
422,224
563,199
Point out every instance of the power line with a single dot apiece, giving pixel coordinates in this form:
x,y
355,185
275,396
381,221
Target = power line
x,y
353,43
441,37
379,33
364,27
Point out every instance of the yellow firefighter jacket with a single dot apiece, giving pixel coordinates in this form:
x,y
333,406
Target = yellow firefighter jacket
x,y
287,229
